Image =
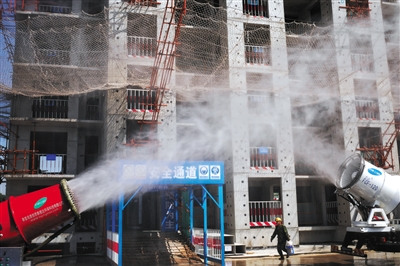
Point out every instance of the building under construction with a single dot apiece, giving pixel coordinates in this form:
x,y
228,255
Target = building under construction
x,y
280,91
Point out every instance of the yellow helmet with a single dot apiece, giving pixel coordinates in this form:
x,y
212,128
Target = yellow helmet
x,y
277,219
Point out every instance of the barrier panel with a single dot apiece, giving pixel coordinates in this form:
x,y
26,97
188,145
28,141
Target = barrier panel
x,y
213,242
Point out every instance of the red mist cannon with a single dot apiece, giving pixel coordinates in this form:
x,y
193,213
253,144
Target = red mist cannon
x,y
26,217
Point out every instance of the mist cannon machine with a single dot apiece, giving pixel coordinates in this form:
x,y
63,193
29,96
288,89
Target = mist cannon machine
x,y
27,216
368,184
374,194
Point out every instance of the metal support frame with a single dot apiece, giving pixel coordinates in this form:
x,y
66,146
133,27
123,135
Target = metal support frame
x,y
215,173
203,204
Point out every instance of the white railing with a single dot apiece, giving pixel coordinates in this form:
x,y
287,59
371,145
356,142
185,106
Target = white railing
x,y
50,108
140,99
395,222
142,46
92,112
331,212
367,109
392,38
263,157
259,103
257,54
53,57
257,8
63,57
55,9
258,98
91,59
362,62
213,242
264,211
51,163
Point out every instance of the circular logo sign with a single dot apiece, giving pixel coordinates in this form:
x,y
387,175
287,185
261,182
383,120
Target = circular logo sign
x,y
40,203
374,171
215,170
203,170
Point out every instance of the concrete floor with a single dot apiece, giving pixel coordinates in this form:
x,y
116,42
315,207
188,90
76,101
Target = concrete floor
x,y
322,259
78,260
139,248
169,249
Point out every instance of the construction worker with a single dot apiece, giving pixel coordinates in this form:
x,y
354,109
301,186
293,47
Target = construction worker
x,y
283,236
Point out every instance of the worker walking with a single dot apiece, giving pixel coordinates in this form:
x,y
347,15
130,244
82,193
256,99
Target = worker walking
x,y
283,236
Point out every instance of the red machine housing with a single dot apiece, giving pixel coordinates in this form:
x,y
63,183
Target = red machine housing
x,y
25,217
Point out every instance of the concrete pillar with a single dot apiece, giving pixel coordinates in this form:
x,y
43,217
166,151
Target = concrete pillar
x,y
326,12
347,102
72,150
283,110
382,76
237,185
115,123
236,206
117,59
76,6
322,199
167,128
346,85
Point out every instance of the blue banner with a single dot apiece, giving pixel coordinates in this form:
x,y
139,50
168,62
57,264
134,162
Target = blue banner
x,y
263,150
252,2
182,173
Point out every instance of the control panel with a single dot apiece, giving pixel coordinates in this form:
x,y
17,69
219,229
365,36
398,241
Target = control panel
x,y
11,256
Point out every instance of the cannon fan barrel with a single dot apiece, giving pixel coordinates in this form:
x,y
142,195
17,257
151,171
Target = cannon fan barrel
x,y
370,185
27,216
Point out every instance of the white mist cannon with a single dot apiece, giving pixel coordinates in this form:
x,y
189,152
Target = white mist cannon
x,y
368,184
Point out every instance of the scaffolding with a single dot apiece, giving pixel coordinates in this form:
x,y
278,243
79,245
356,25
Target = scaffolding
x,y
6,26
162,67
382,155
357,8
15,161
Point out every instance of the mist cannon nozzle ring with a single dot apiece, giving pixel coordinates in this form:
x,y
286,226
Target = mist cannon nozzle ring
x,y
69,196
350,171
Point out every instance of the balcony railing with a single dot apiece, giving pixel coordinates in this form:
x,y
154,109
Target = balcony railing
x,y
91,59
64,57
362,62
392,38
367,109
37,6
141,99
259,102
30,162
331,213
53,57
50,108
264,212
257,54
142,46
257,8
55,9
263,157
51,163
312,213
92,112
